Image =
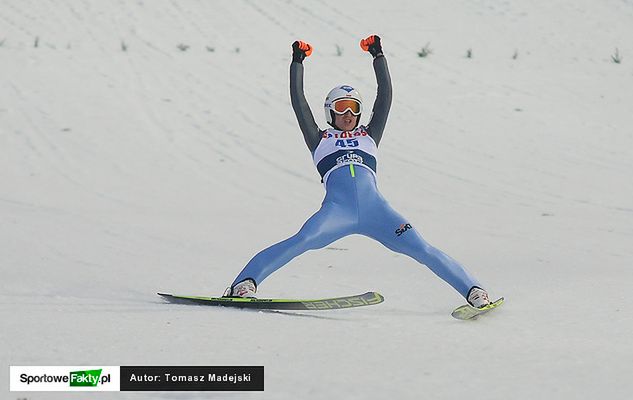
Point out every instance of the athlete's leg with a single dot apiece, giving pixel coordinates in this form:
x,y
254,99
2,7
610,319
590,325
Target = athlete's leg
x,y
396,233
329,224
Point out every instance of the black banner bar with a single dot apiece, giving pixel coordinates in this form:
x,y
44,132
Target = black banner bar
x,y
191,378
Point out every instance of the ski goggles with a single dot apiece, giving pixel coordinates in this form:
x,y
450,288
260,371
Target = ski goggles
x,y
341,106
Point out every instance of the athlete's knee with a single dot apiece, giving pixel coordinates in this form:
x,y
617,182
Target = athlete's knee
x,y
313,239
412,244
313,242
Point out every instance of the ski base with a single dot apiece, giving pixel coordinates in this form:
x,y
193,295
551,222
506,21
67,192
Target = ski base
x,y
469,312
335,303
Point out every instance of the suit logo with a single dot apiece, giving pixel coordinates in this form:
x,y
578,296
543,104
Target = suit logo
x,y
403,228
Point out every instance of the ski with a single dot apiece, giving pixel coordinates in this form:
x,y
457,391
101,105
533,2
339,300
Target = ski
x,y
469,312
335,303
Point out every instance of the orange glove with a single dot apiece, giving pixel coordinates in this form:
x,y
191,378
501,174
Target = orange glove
x,y
372,45
301,50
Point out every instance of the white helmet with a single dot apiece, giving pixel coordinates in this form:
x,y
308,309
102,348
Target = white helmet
x,y
341,92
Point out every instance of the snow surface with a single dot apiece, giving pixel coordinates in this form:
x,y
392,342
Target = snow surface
x,y
124,173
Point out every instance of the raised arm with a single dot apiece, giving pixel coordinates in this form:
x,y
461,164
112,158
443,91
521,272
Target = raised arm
x,y
380,111
309,128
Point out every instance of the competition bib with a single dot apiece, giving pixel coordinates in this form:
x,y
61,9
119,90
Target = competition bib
x,y
341,148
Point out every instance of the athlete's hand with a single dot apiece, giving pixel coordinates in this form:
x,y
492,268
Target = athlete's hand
x,y
372,45
301,50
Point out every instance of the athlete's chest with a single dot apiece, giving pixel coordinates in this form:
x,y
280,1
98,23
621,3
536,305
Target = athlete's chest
x,y
339,148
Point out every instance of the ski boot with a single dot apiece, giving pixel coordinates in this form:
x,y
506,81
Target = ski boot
x,y
477,297
245,288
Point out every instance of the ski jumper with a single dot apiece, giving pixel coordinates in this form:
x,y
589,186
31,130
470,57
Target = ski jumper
x,y
346,162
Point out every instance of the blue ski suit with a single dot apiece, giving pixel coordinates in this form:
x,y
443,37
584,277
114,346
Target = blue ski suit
x,y
353,204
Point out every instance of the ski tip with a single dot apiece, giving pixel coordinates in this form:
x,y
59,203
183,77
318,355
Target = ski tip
x,y
468,312
376,295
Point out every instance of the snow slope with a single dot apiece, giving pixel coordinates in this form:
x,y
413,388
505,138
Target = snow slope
x,y
123,173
